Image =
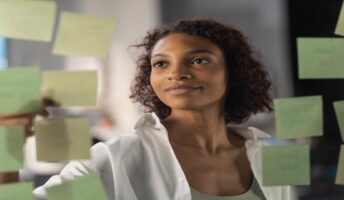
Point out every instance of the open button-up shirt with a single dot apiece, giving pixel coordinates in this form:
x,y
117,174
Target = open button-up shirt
x,y
141,165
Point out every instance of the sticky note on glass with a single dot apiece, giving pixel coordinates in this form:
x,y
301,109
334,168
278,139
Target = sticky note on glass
x,y
71,88
87,187
28,20
340,23
340,168
17,191
286,165
81,35
339,110
62,139
11,148
299,117
20,90
320,58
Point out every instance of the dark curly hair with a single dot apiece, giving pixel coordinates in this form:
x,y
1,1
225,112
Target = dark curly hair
x,y
248,83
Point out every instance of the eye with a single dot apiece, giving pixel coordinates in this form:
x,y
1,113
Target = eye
x,y
159,64
200,61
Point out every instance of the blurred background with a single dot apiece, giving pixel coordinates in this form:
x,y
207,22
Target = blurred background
x,y
271,26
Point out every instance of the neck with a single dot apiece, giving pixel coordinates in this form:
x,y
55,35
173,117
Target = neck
x,y
205,131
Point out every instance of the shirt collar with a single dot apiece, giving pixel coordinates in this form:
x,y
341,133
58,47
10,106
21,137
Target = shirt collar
x,y
149,120
249,133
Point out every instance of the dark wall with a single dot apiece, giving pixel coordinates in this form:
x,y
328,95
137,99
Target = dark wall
x,y
318,18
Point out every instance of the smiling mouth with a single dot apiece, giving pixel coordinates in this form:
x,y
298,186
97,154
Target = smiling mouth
x,y
181,90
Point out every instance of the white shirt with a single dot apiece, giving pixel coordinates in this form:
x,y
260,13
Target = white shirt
x,y
141,165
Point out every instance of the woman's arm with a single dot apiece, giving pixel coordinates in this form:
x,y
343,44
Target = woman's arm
x,y
25,120
99,163
9,177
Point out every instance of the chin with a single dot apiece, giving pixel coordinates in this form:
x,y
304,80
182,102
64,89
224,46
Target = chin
x,y
184,106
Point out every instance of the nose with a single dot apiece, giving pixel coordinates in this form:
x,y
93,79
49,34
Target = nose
x,y
178,77
178,73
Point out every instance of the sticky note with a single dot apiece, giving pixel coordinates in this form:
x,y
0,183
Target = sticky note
x,y
286,165
339,110
71,88
20,90
28,20
87,187
299,117
340,23
11,148
81,35
62,139
17,191
340,168
320,58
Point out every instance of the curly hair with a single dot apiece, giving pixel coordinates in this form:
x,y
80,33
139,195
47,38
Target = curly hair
x,y
248,83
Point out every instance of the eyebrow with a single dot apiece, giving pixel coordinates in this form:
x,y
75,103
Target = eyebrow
x,y
197,51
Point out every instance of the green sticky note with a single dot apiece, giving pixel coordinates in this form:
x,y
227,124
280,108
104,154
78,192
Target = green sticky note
x,y
11,148
20,90
339,110
299,117
286,165
17,191
340,168
320,58
87,187
340,23
81,35
71,88
62,139
28,20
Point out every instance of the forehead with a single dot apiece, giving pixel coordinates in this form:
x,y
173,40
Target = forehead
x,y
181,42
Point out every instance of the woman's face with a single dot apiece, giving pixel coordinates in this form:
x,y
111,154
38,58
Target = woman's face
x,y
188,72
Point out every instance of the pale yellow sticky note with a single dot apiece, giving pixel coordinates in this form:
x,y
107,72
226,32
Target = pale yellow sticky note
x,y
20,90
320,58
71,88
17,191
88,187
62,139
286,165
11,148
340,168
28,20
81,35
340,22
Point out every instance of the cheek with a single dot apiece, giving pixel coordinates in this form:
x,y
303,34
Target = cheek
x,y
155,82
218,85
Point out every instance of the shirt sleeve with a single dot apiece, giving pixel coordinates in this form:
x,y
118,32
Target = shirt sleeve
x,y
99,163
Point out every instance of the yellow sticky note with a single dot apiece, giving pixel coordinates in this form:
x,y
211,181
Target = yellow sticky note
x,y
340,23
340,168
299,117
20,90
320,58
81,35
339,110
286,165
62,139
87,187
16,191
28,20
11,148
71,88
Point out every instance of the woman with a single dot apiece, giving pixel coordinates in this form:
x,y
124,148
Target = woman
x,y
195,76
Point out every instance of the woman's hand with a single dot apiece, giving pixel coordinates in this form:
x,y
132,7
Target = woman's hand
x,y
26,119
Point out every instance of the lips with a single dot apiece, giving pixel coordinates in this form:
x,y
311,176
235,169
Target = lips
x,y
181,89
